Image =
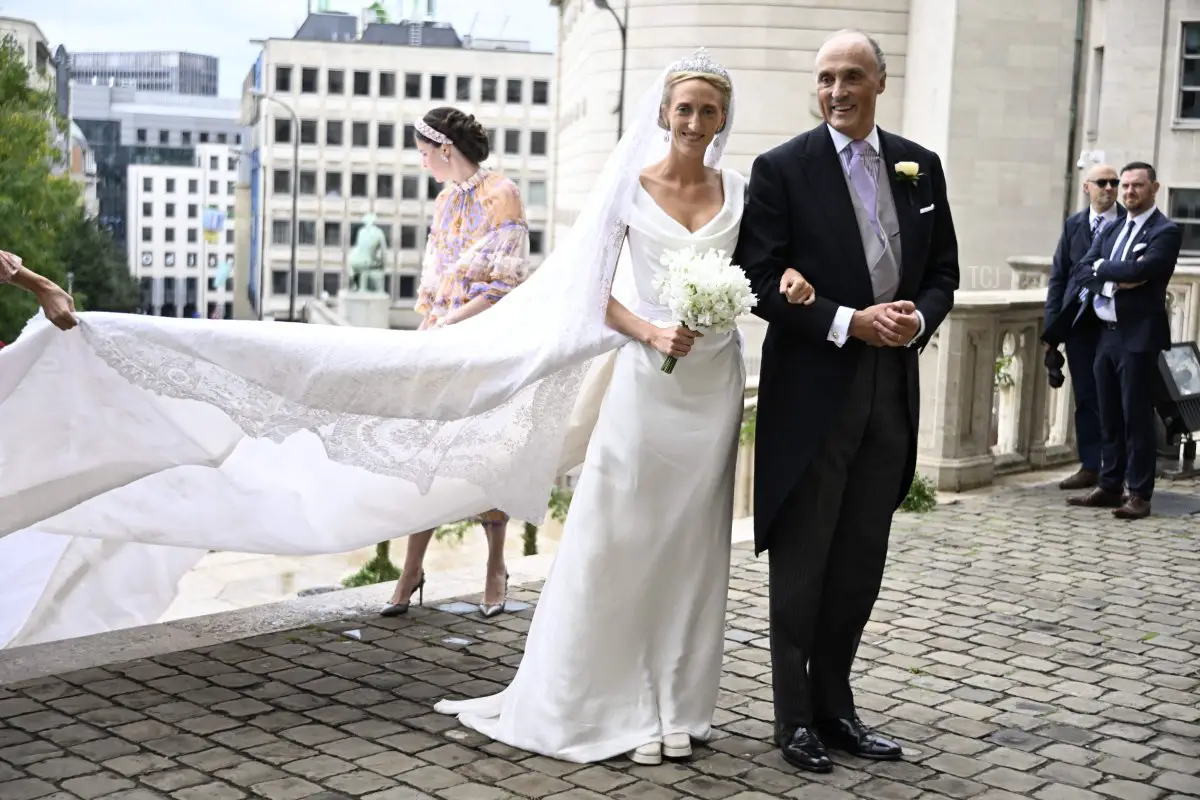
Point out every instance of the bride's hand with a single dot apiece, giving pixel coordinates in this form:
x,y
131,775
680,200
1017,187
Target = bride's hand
x,y
675,341
797,290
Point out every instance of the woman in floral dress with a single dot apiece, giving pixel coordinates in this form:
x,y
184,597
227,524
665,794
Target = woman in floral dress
x,y
477,252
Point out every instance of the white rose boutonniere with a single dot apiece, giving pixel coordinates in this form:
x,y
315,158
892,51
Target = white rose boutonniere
x,y
909,171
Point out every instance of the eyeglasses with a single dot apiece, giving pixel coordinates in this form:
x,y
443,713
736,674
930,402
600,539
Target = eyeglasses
x,y
1107,183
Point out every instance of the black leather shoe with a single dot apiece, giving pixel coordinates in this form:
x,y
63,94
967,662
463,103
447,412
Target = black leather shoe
x,y
802,748
853,737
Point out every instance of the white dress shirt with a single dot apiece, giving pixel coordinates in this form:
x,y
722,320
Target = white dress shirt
x,y
1103,303
839,331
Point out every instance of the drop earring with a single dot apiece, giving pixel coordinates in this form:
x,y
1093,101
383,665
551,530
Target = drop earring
x,y
717,140
666,136
444,156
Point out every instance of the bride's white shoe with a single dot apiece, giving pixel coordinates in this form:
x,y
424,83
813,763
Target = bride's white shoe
x,y
677,745
650,755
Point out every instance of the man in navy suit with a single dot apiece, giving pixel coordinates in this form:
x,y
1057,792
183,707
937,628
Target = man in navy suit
x,y
1124,278
1100,186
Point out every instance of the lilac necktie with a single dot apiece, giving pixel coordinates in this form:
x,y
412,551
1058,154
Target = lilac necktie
x,y
862,180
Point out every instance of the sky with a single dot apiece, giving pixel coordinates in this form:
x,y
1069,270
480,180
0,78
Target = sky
x,y
224,28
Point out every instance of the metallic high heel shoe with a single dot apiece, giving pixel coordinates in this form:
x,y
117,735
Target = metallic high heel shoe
x,y
399,609
489,611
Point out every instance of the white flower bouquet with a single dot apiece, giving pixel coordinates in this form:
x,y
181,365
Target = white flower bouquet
x,y
704,292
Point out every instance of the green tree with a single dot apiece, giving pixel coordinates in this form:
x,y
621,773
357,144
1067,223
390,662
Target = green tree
x,y
100,275
35,204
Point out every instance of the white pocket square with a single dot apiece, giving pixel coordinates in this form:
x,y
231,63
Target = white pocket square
x,y
1138,247
927,209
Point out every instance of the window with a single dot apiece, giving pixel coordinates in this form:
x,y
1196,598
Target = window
x,y
331,282
487,90
281,181
410,137
283,130
335,81
230,187
333,133
512,142
193,210
307,233
147,184
203,138
168,259
358,184
408,187
535,243
147,234
193,237
383,186
408,237
141,135
308,132
147,209
491,133
1184,208
229,237
170,209
304,282
462,88
193,186
170,186
432,187
308,181
308,80
333,234
1189,83
185,138
222,138
537,193
362,83
192,258
164,137
537,143
437,87
169,235
283,79
279,281
385,135
232,163
333,184
355,229
214,162
512,92
541,93
387,84
212,187
360,135
412,85
281,231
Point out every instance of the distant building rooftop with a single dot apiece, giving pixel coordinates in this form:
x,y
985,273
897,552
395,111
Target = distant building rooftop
x,y
331,26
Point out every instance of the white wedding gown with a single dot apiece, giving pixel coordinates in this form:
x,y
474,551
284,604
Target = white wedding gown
x,y
627,640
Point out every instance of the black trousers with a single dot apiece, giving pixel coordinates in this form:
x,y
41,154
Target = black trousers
x,y
1081,359
828,546
1125,385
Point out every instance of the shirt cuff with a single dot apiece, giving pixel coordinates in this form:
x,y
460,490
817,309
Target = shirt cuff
x,y
920,329
1108,289
839,331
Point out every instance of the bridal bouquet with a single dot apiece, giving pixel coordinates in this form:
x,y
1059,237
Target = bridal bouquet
x,y
703,291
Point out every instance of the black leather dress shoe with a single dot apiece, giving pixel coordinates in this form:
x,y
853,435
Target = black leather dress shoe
x,y
802,748
853,737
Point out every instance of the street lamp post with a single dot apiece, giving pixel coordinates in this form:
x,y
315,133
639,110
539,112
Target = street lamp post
x,y
622,25
295,196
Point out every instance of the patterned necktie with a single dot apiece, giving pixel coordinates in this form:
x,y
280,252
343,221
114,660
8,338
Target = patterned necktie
x,y
1096,223
863,179
1119,249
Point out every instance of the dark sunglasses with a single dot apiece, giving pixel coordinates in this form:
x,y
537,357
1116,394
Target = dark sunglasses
x,y
1107,183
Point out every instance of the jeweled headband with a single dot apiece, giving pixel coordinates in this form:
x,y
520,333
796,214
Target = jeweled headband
x,y
700,61
431,134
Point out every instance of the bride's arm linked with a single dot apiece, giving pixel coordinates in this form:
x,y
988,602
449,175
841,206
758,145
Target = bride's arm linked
x,y
763,244
675,341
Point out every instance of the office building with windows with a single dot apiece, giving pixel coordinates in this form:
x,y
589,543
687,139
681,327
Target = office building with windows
x,y
181,221
125,127
355,97
171,72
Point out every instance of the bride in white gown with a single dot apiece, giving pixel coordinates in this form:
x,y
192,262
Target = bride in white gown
x,y
624,653
132,445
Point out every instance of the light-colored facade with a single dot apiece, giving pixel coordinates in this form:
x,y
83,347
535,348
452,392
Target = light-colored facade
x,y
172,72
81,166
182,230
29,37
985,85
1140,100
356,96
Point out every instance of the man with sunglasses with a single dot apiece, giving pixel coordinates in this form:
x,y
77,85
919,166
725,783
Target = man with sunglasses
x,y
1080,229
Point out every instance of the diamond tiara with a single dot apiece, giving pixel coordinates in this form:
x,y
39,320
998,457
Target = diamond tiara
x,y
700,61
429,133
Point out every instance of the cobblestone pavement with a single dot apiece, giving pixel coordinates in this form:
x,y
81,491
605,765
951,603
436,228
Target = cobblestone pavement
x,y
1018,649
